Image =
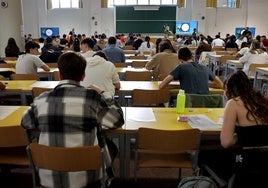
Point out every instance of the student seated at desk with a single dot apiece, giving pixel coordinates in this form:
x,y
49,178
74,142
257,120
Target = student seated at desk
x,y
69,116
108,80
114,53
245,124
29,62
193,77
254,55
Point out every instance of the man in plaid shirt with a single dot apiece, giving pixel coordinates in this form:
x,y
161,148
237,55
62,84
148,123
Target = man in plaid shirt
x,y
68,116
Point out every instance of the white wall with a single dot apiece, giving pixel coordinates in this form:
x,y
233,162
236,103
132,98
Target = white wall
x,y
10,25
33,14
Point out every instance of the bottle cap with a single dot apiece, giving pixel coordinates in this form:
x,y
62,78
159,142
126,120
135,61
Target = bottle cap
x,y
181,91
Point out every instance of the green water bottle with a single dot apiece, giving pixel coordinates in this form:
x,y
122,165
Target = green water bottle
x,y
180,102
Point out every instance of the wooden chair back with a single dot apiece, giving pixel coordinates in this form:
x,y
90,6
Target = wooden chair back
x,y
137,57
128,47
253,66
227,57
7,65
24,77
56,75
10,58
142,97
138,76
13,142
129,51
231,49
218,48
52,65
138,64
64,159
36,91
222,53
169,150
120,64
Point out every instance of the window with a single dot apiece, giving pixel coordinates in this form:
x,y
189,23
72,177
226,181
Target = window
x,y
141,2
228,3
53,4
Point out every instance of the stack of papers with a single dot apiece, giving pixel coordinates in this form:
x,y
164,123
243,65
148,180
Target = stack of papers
x,y
202,122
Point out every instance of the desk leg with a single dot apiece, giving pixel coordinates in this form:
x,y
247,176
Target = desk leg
x,y
128,153
255,79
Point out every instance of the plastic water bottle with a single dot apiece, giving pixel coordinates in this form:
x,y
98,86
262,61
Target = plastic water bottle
x,y
180,102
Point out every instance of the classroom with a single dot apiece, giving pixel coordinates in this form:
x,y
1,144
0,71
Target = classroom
x,y
193,106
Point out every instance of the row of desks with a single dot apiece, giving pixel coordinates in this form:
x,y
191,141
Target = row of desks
x,y
165,118
24,87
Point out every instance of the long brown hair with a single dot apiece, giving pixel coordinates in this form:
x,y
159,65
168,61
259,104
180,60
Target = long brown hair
x,y
238,85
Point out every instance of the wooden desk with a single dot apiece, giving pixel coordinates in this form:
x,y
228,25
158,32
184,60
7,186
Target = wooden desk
x,y
166,119
11,62
122,70
234,65
259,70
129,61
14,118
46,74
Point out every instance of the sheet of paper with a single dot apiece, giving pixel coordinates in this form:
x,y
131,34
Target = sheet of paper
x,y
5,111
140,114
202,122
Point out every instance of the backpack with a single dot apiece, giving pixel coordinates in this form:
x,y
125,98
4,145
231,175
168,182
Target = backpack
x,y
197,182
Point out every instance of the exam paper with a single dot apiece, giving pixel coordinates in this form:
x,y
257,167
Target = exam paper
x,y
202,122
7,110
140,114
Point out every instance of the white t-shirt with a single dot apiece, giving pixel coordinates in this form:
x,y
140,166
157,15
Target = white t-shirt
x,y
250,58
28,64
144,48
101,73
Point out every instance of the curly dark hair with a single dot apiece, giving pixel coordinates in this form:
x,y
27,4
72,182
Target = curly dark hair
x,y
238,85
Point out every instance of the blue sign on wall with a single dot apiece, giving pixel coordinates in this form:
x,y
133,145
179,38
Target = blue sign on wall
x,y
240,30
49,31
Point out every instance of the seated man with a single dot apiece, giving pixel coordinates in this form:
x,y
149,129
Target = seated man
x,y
193,77
69,116
114,53
29,62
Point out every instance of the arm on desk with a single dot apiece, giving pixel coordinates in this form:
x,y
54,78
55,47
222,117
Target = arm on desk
x,y
45,67
166,81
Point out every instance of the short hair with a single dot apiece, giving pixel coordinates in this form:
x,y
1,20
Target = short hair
x,y
112,40
49,40
72,66
89,42
31,45
185,54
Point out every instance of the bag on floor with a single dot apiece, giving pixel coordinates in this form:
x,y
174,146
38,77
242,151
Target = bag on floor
x,y
197,182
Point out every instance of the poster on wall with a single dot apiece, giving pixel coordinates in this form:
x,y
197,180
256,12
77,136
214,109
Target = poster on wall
x,y
49,31
240,30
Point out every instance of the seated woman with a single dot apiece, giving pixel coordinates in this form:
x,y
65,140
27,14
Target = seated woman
x,y
146,46
245,124
244,109
12,49
254,55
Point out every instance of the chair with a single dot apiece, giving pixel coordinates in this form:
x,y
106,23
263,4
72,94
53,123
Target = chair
x,y
138,76
64,159
12,147
171,149
130,51
138,64
137,57
7,65
36,91
52,65
252,69
10,58
128,47
142,97
24,77
231,49
56,75
204,101
120,64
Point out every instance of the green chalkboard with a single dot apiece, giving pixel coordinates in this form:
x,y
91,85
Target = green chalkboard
x,y
145,21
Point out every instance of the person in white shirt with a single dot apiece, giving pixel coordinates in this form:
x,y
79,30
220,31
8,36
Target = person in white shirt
x,y
101,72
146,46
254,55
217,42
29,62
86,47
240,40
244,49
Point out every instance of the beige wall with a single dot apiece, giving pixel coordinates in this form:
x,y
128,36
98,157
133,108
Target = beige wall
x,y
10,25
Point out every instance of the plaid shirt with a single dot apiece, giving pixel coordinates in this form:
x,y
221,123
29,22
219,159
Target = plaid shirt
x,y
68,117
